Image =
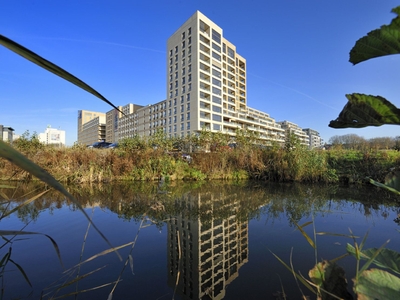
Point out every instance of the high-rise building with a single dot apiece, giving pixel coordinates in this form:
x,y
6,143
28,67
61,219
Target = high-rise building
x,y
206,88
112,117
91,127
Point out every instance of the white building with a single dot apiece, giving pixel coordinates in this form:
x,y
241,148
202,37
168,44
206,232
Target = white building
x,y
205,87
52,136
315,141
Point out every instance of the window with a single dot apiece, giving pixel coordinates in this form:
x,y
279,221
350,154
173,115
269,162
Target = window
x,y
169,112
188,106
170,77
216,127
188,116
216,117
174,119
182,99
190,30
231,53
176,67
189,87
183,53
176,84
170,69
176,75
183,89
216,73
174,110
216,91
216,108
169,103
216,56
176,49
182,117
170,86
216,82
183,44
190,49
169,120
183,71
188,97
216,36
182,108
190,68
216,47
176,93
190,78
183,62
183,80
224,47
188,125
174,101
176,58
182,127
183,35
170,61
174,128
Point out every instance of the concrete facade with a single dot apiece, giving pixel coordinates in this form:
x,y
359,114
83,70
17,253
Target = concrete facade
x,y
91,127
52,136
315,141
6,133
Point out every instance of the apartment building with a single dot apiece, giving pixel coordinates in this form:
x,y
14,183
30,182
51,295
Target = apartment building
x,y
205,254
315,141
205,88
292,128
112,117
91,127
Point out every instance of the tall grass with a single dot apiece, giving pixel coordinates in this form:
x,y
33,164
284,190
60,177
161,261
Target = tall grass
x,y
138,159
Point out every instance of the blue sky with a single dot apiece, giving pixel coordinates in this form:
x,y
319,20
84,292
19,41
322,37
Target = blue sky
x,y
297,57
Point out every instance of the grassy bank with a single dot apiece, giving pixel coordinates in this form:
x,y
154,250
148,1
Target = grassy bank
x,y
136,160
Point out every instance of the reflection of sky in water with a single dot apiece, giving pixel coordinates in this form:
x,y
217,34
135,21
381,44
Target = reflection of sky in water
x,y
261,275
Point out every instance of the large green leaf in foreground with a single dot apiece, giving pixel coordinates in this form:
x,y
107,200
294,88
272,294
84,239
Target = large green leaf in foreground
x,y
377,284
366,110
379,42
40,61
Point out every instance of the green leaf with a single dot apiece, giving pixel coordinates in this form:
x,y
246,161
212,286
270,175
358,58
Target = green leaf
x,y
377,284
379,42
381,185
392,179
332,280
386,258
366,110
40,61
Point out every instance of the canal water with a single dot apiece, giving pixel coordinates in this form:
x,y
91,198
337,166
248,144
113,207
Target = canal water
x,y
212,240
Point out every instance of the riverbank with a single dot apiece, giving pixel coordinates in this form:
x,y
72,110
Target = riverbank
x,y
83,165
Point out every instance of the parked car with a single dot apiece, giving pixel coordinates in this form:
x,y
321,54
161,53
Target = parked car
x,y
99,145
112,146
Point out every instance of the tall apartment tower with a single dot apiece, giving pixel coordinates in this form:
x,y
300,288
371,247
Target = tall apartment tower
x,y
206,78
91,127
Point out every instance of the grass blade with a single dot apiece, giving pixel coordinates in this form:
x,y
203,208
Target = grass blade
x,y
21,270
309,240
25,203
49,66
24,163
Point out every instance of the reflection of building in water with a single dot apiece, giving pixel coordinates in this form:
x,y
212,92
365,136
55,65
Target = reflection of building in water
x,y
206,252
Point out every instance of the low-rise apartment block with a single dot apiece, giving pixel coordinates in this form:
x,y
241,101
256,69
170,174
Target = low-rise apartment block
x,y
292,128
